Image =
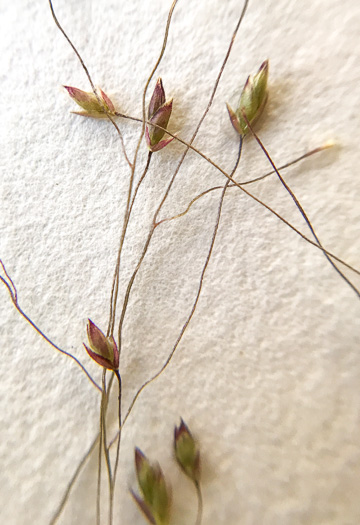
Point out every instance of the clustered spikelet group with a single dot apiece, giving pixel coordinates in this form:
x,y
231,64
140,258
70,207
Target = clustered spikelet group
x,y
155,496
251,104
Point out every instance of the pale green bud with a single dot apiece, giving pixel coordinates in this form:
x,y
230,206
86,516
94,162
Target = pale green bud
x,y
187,452
155,502
252,100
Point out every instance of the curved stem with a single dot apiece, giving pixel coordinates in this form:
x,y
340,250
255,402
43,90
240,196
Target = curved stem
x,y
104,404
300,208
197,297
257,179
173,5
98,490
168,189
200,503
241,185
115,284
14,298
141,180
264,205
113,482
73,480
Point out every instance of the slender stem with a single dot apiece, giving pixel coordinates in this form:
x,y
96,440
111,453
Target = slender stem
x,y
197,297
164,44
132,165
14,298
327,145
168,189
90,80
300,208
290,163
104,404
170,356
197,483
259,201
126,220
141,180
264,205
200,503
101,424
72,481
113,301
115,284
11,287
257,179
103,446
132,200
86,456
113,482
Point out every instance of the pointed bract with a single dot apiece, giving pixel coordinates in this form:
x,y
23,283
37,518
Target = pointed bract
x,y
159,113
145,475
260,81
160,118
89,102
161,500
187,452
252,100
156,500
143,507
102,361
234,119
157,99
109,105
158,146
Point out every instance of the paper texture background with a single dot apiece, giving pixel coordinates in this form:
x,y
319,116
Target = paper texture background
x,y
267,375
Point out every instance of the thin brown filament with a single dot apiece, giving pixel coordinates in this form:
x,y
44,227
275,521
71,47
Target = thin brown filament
x,y
151,232
200,503
262,203
14,298
199,152
141,180
257,179
129,206
11,287
79,468
241,184
115,285
105,447
98,488
198,293
173,5
299,206
248,193
288,164
73,481
112,492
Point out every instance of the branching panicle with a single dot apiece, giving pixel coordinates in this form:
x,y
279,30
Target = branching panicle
x,y
154,497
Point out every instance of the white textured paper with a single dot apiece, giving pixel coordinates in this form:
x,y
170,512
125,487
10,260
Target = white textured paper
x,y
267,375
